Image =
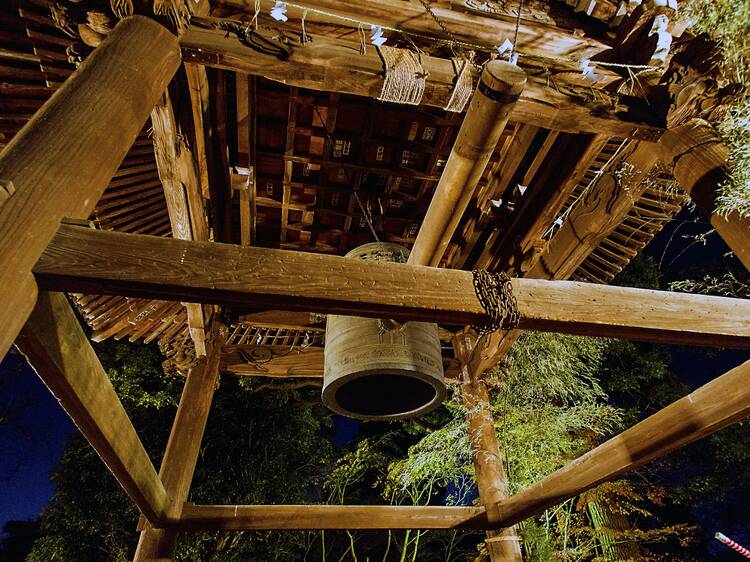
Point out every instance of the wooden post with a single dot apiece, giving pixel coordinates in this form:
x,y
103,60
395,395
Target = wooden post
x,y
722,402
490,474
60,353
500,86
84,259
62,160
181,455
698,159
313,517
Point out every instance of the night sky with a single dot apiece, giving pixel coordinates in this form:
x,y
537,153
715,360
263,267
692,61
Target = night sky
x,y
31,443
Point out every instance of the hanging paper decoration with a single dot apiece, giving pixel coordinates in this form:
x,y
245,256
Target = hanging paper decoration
x,y
506,46
588,70
522,188
377,38
278,12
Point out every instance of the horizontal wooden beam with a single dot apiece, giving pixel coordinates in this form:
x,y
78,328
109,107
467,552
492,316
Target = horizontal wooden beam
x,y
713,406
279,362
59,351
545,29
309,517
335,65
105,262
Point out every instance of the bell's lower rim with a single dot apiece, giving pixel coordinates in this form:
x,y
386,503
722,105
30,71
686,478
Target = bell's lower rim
x,y
406,379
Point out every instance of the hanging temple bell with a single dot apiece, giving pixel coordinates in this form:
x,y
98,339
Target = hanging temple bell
x,y
380,369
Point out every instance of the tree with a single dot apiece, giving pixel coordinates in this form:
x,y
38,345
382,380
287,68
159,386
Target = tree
x,y
259,447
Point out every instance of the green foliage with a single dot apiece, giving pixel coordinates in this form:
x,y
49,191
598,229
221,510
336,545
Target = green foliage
x,y
728,21
728,284
259,448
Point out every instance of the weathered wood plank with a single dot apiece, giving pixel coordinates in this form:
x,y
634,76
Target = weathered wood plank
x,y
81,259
489,471
480,132
336,66
182,191
62,160
301,517
715,405
59,351
543,31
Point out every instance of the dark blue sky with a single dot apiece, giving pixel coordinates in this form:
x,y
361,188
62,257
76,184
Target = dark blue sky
x,y
31,443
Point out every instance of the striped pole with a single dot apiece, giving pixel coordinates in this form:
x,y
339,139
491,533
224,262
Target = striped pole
x,y
733,545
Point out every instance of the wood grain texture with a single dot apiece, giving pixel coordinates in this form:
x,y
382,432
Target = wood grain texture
x,y
273,361
489,471
720,403
178,173
81,259
62,160
600,211
541,34
698,159
300,517
476,141
181,455
334,65
58,350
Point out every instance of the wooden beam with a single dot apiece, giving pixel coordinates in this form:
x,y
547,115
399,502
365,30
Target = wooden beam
x,y
600,211
521,238
493,100
62,160
337,66
715,405
100,262
273,361
542,31
181,455
309,517
698,159
489,471
60,353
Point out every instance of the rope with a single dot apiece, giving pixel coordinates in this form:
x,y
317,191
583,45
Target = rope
x,y
463,87
368,217
405,78
515,35
495,293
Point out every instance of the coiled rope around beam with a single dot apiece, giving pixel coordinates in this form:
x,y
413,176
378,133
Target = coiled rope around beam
x,y
405,77
462,88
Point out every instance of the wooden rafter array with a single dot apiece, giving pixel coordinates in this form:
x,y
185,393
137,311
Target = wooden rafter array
x,y
650,213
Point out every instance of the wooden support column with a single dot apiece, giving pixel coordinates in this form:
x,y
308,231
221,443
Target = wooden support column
x,y
181,455
60,353
500,86
712,407
698,159
489,472
59,164
85,259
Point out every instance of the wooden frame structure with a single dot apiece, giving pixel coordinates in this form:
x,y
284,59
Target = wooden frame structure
x,y
50,177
